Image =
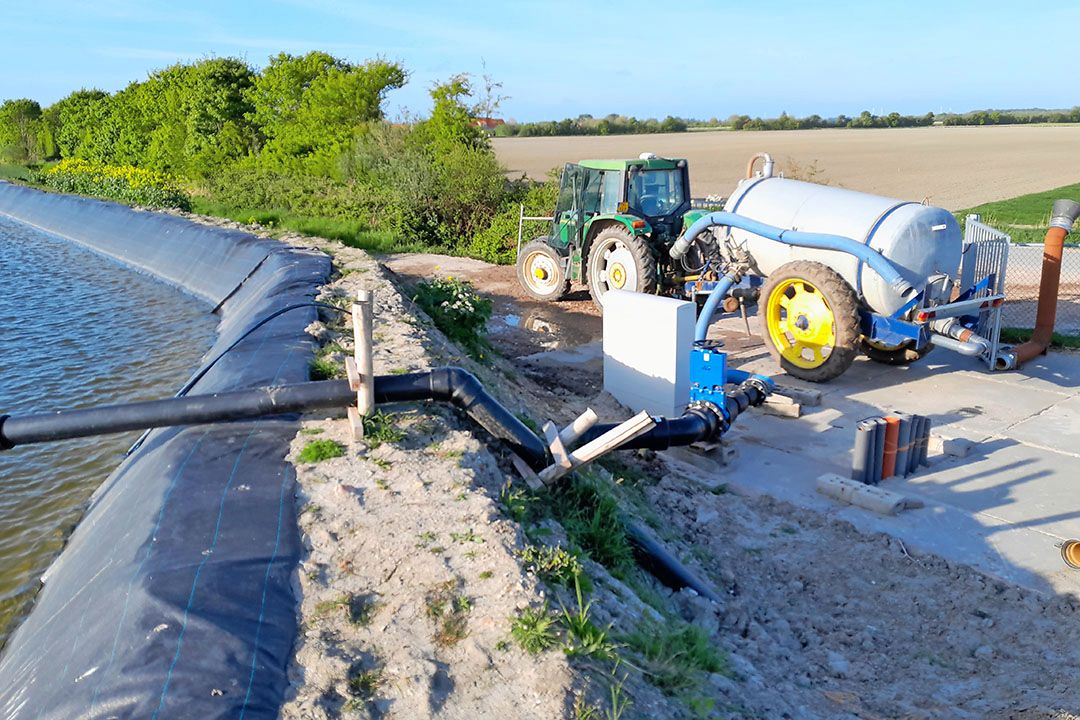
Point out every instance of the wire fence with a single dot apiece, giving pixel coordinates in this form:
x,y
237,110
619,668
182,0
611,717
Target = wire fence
x,y
1022,289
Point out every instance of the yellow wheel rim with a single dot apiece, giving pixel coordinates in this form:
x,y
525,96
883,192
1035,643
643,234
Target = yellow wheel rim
x,y
1070,553
800,323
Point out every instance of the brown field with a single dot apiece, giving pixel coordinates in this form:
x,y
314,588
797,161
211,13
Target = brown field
x,y
953,167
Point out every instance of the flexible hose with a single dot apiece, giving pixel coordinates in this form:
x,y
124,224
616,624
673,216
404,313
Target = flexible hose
x,y
819,241
701,328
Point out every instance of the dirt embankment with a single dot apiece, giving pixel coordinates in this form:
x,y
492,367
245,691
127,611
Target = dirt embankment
x,y
415,574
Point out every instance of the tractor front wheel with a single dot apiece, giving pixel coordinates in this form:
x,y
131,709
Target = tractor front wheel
x,y
811,320
893,354
620,261
541,272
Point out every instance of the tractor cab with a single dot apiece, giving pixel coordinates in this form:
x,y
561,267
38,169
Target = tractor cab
x,y
613,221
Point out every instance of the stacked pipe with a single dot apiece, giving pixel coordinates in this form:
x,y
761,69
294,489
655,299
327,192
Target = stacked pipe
x,y
890,446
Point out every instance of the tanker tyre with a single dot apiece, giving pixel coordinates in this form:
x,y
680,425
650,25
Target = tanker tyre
x,y
898,356
619,260
810,317
541,272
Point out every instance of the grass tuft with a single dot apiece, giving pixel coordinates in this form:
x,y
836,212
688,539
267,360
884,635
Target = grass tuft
x,y
319,450
534,630
449,608
379,428
675,655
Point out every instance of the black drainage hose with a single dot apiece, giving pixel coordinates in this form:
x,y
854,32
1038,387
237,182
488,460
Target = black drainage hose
x,y
665,567
452,385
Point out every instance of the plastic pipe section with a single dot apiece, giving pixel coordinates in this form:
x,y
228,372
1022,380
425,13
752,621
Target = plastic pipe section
x,y
448,384
797,238
701,421
1063,217
767,169
950,334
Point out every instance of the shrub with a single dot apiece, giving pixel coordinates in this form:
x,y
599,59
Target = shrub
x,y
497,243
458,311
116,182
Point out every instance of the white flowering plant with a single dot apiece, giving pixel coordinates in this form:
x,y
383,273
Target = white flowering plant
x,y
459,311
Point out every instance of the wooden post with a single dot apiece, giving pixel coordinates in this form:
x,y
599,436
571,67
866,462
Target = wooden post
x,y
361,370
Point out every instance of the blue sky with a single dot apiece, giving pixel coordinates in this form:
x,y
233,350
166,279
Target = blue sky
x,y
561,58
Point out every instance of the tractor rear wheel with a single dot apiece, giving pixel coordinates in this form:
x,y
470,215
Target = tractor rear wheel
x,y
541,272
620,261
811,320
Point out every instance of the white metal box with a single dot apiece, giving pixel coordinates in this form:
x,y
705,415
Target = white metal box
x,y
647,341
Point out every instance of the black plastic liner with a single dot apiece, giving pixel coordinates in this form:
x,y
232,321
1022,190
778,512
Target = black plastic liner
x,y
174,596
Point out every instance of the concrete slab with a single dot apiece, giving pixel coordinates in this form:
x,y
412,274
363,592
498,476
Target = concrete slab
x,y
1003,509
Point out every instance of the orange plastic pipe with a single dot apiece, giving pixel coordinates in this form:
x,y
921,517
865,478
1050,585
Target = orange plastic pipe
x,y
892,434
1045,316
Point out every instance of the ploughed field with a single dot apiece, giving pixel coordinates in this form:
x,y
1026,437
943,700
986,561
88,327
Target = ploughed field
x,y
952,167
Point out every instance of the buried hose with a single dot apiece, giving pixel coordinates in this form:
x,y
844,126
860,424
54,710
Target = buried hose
x,y
448,384
665,567
1064,215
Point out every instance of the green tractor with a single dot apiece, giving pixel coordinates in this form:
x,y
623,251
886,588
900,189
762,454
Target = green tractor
x,y
612,227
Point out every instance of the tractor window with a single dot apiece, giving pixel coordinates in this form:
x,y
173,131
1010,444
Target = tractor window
x,y
656,193
570,188
590,198
611,191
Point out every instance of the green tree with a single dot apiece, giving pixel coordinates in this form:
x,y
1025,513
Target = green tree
x,y
76,117
19,121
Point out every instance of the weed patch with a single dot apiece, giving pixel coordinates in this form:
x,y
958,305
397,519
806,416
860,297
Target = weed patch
x,y
449,609
319,450
534,630
379,428
674,656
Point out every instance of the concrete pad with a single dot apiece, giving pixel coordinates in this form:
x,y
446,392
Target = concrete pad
x,y
1002,509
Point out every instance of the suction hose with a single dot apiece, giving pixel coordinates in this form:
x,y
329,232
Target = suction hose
x,y
449,384
817,241
950,334
1064,216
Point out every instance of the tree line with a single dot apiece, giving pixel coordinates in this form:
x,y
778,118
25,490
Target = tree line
x,y
306,134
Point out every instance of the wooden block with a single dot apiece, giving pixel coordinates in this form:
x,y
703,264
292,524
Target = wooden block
x,y
353,374
527,473
611,440
356,424
788,409
576,429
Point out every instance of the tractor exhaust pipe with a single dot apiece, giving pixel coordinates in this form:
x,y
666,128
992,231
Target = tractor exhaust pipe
x,y
1064,216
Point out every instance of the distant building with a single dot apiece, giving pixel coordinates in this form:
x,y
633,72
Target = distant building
x,y
488,124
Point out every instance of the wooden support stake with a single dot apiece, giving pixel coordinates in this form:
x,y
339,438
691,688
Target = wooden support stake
x,y
362,312
576,429
527,473
611,440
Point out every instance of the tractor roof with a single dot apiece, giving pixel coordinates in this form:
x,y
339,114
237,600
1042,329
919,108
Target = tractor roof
x,y
656,163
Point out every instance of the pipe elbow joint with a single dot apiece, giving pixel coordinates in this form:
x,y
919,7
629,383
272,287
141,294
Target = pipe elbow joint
x,y
1065,214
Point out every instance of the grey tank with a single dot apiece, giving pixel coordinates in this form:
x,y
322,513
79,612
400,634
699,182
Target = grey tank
x,y
921,241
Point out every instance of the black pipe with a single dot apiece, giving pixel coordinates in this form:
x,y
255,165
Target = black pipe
x,y
656,559
702,422
453,385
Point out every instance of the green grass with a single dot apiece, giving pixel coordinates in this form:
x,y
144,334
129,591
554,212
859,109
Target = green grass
x,y
1016,336
15,172
534,630
553,564
1025,210
589,512
379,428
352,233
583,638
319,450
674,656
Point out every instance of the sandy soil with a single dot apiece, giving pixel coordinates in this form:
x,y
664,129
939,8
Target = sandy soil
x,y
953,167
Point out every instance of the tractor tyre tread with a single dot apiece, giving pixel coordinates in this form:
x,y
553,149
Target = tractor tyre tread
x,y
643,257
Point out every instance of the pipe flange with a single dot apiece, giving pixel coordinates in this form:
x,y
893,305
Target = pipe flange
x,y
705,407
761,386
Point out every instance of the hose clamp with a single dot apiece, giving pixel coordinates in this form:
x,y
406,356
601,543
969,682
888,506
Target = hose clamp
x,y
5,444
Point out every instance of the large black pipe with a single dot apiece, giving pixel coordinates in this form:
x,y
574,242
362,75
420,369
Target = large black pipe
x,y
701,422
452,385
